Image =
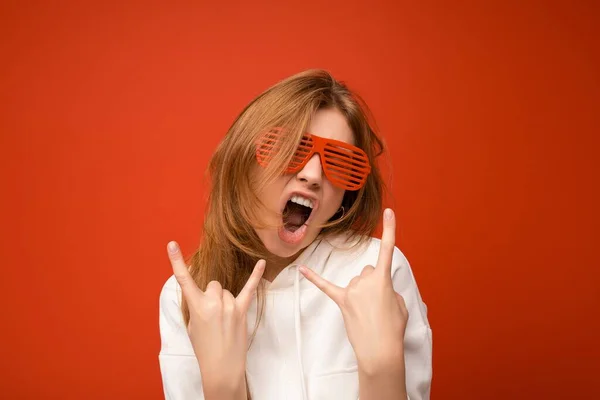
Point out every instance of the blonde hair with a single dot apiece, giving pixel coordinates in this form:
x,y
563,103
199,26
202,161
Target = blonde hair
x,y
230,247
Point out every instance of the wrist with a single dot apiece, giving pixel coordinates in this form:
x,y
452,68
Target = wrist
x,y
390,363
382,379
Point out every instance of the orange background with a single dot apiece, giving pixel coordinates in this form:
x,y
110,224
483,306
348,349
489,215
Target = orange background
x,y
490,111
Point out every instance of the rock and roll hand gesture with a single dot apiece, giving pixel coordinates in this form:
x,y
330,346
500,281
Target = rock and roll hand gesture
x,y
375,315
217,328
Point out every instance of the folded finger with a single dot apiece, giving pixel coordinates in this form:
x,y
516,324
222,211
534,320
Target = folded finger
x,y
214,289
367,270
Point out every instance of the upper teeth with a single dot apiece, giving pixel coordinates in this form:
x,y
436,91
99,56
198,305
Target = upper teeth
x,y
303,201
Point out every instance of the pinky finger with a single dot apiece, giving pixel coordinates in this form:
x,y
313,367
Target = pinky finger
x,y
180,270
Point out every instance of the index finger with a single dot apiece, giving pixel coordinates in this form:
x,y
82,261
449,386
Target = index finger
x,y
180,270
332,291
245,295
388,242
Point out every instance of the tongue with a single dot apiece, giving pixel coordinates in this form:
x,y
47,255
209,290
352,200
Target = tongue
x,y
294,216
293,229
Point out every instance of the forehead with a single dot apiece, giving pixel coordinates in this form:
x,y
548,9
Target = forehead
x,y
330,123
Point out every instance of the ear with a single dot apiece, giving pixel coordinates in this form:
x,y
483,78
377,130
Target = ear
x,y
347,201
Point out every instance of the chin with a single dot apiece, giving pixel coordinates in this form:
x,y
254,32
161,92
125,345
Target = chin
x,y
280,248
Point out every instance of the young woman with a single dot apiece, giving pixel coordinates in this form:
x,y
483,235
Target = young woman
x,y
288,295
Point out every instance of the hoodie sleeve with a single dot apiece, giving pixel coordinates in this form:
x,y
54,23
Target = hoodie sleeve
x,y
418,335
178,364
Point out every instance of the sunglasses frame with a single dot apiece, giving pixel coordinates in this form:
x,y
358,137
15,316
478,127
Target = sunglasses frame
x,y
344,165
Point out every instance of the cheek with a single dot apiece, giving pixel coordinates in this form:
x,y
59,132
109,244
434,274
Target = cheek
x,y
331,202
270,195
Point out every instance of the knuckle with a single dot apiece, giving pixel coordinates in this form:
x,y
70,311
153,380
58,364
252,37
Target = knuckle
x,y
228,301
387,245
352,291
181,278
354,282
401,302
214,284
212,307
227,297
228,308
181,275
367,270
321,284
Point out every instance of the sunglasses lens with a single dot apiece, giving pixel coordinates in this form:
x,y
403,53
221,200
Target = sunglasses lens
x,y
266,147
346,167
302,152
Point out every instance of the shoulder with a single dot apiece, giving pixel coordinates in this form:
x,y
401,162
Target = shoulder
x,y
173,332
398,258
178,365
170,295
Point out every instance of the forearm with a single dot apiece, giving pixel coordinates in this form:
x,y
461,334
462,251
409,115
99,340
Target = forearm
x,y
224,393
382,381
219,388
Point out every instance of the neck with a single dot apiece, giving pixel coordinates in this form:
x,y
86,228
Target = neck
x,y
276,264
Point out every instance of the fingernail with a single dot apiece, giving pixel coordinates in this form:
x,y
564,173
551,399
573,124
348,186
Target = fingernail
x,y
302,269
388,214
172,247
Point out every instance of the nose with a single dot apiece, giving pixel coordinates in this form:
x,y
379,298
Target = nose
x,y
312,173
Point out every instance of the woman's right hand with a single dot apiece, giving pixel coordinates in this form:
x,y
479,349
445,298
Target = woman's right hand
x,y
217,329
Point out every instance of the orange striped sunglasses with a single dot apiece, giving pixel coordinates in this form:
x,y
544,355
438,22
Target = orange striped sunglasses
x,y
345,166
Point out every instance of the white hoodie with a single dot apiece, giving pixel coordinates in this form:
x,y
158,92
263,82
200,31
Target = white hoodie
x,y
301,350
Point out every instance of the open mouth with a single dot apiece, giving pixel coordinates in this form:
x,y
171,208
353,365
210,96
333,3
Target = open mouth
x,y
296,212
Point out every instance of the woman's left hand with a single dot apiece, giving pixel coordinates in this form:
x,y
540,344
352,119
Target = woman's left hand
x,y
375,315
